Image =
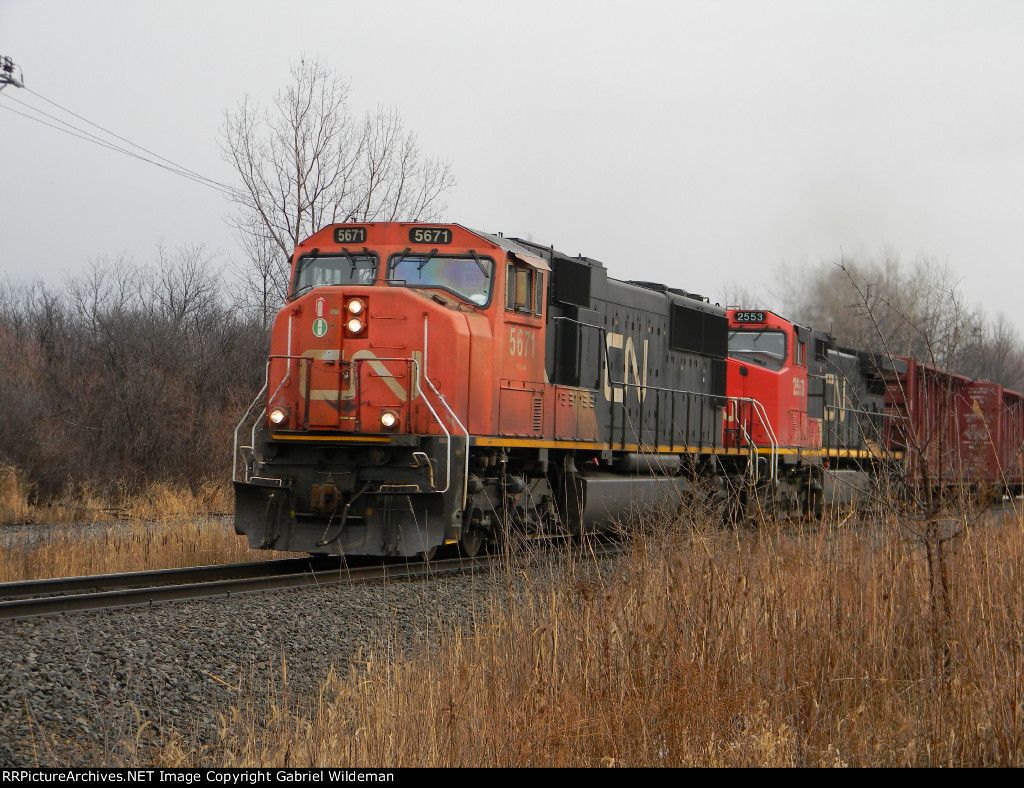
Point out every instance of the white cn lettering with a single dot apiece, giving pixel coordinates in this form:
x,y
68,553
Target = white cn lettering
x,y
630,369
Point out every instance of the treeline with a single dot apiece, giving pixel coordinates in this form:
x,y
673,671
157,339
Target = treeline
x,y
903,309
129,374
126,374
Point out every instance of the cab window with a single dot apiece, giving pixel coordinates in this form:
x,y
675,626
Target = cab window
x,y
764,343
324,270
465,277
524,289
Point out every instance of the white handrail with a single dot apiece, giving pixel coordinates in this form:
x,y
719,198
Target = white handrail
x,y
245,417
763,416
465,476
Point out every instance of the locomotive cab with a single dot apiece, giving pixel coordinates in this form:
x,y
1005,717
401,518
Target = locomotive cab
x,y
768,374
818,406
398,342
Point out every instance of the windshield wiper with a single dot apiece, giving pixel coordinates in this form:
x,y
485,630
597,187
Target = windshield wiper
x,y
426,259
479,264
762,353
365,256
401,257
300,267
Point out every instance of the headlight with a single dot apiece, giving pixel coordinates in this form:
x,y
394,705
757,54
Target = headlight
x,y
356,307
388,419
278,415
354,326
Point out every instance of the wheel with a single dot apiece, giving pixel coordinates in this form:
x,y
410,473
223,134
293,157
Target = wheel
x,y
472,541
511,536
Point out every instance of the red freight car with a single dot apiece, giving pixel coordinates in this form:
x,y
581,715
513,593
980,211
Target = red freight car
x,y
991,429
929,408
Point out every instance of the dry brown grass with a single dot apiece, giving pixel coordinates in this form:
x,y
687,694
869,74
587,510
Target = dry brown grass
x,y
128,547
14,507
701,648
160,528
86,505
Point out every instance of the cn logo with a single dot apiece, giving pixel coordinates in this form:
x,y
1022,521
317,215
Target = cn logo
x,y
631,367
320,325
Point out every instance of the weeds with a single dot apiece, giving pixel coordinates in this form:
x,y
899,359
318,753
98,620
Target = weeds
x,y
86,504
774,646
699,648
161,528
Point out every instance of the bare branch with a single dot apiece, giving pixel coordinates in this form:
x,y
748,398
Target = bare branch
x,y
306,162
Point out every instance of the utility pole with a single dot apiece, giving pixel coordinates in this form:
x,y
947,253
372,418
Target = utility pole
x,y
7,74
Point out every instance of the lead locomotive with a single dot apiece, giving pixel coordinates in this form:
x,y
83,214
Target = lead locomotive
x,y
429,385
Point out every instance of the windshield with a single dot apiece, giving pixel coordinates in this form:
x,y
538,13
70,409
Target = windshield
x,y
355,269
766,343
469,278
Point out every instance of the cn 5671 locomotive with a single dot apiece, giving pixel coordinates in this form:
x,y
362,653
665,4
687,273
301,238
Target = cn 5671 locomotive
x,y
432,385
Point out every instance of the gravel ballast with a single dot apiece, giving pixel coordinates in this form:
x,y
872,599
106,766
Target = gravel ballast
x,y
78,689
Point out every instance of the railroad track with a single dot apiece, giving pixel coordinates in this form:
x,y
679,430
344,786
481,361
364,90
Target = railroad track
x,y
35,598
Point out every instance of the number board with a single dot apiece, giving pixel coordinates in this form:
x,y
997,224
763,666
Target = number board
x,y
350,235
749,317
430,235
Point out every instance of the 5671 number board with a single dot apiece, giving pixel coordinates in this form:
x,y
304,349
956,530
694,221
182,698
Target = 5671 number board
x,y
430,235
350,235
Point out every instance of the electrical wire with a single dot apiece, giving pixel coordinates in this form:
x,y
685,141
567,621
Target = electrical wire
x,y
133,144
88,136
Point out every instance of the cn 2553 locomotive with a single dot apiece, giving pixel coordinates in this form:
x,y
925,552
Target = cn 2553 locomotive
x,y
432,385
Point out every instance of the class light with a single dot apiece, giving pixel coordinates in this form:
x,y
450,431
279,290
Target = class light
x,y
278,415
388,419
356,307
354,326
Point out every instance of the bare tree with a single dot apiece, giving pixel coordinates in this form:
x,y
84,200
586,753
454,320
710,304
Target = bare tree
x,y
126,374
184,284
262,276
932,505
741,295
307,162
995,352
916,310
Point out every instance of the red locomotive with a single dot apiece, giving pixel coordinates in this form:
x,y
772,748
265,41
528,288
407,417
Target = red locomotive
x,y
834,417
432,385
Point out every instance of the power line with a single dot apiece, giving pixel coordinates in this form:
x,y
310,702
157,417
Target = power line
x,y
133,144
117,149
82,134
75,131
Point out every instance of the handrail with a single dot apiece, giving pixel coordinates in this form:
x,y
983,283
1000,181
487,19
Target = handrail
x,y
420,375
465,475
755,404
754,453
769,430
241,423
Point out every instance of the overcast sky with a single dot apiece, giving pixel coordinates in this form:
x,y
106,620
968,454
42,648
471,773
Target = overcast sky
x,y
694,143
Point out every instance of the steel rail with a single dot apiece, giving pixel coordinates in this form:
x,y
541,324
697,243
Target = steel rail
x,y
158,577
50,597
36,598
